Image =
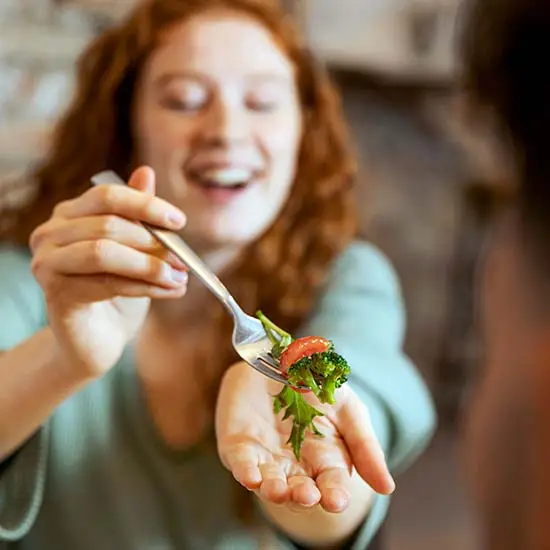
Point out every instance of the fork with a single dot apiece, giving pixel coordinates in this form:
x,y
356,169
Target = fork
x,y
249,337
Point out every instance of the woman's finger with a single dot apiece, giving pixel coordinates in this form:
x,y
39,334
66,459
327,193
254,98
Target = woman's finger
x,y
143,179
242,461
60,232
107,257
355,427
274,487
96,288
123,201
303,491
335,487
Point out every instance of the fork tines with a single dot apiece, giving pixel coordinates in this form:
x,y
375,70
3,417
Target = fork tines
x,y
266,368
270,361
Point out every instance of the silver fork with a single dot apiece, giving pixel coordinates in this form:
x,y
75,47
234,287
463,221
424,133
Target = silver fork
x,y
249,337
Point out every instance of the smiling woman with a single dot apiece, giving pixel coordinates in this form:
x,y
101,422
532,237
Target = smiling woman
x,y
247,97
139,421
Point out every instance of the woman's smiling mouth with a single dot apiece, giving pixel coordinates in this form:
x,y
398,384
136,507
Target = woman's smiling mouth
x,y
222,184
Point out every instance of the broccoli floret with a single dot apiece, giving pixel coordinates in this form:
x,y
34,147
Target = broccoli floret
x,y
331,365
301,373
323,372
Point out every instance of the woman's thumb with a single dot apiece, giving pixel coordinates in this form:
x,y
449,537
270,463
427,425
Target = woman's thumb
x,y
143,179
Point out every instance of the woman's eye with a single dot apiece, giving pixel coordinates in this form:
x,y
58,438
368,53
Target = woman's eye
x,y
181,104
185,97
262,105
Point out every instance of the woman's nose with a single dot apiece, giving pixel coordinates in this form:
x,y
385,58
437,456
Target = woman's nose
x,y
226,122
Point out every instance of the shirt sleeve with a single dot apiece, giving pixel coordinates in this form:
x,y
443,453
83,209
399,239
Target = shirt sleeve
x,y
22,475
362,312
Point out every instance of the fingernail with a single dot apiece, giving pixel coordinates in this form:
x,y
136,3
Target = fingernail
x,y
179,264
179,276
391,484
339,498
176,219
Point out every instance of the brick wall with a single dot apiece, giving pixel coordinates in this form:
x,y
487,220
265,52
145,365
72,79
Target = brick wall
x,y
39,42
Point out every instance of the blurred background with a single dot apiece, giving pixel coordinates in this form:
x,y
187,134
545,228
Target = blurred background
x,y
430,181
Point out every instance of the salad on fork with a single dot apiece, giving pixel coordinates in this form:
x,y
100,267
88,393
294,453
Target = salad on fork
x,y
310,364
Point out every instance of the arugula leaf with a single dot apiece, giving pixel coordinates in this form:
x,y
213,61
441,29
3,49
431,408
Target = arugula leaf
x,y
302,414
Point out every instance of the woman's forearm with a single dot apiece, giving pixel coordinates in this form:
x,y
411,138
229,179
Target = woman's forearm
x,y
32,384
319,529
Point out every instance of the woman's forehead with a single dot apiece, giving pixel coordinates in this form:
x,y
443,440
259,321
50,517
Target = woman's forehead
x,y
220,42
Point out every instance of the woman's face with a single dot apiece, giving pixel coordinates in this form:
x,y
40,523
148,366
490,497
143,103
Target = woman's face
x,y
217,116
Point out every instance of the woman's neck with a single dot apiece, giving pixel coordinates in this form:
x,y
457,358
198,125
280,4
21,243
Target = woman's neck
x,y
170,348
169,352
219,258
185,310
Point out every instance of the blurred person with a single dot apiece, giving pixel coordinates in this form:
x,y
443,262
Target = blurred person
x,y
503,43
126,419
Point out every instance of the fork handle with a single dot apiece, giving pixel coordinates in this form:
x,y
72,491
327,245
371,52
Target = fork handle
x,y
175,244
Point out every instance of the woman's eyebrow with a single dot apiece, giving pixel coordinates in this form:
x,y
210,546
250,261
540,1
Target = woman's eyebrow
x,y
168,77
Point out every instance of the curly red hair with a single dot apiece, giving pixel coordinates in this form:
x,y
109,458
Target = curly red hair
x,y
283,271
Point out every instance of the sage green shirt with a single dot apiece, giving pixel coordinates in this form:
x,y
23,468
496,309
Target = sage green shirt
x,y
97,475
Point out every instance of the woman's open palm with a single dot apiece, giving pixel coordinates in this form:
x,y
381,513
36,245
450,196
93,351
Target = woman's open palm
x,y
252,445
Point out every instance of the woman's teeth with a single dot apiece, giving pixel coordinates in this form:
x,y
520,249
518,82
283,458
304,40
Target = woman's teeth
x,y
227,177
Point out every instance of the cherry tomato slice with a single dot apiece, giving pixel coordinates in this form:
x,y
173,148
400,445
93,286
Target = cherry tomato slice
x,y
302,347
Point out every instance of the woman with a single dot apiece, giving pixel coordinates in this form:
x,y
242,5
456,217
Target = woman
x,y
114,376
508,444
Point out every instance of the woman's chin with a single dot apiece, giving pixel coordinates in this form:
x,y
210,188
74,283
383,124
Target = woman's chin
x,y
236,225
229,238
214,239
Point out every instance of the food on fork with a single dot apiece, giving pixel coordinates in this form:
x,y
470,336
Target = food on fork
x,y
310,361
